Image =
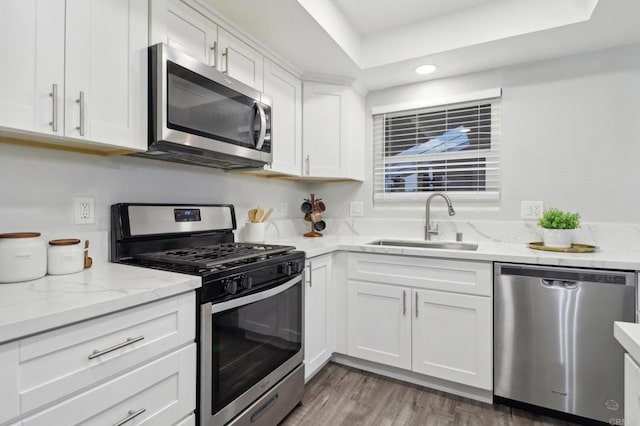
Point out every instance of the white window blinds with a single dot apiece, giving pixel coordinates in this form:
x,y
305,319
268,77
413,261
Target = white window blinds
x,y
453,147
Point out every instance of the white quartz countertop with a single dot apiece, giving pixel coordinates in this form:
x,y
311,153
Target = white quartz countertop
x,y
53,301
628,334
624,259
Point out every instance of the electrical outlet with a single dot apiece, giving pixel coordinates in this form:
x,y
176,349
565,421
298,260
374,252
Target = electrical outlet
x,y
284,209
84,210
356,209
531,209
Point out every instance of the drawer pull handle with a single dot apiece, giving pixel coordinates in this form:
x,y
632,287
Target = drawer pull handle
x,y
130,341
264,408
131,416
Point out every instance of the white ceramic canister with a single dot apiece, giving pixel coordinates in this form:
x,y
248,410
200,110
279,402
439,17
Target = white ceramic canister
x,y
254,232
65,256
23,257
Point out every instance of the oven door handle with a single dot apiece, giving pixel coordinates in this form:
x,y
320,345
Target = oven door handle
x,y
225,306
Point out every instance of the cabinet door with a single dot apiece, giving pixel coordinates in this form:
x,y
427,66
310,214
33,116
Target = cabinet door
x,y
106,72
325,130
318,326
286,92
631,391
176,24
32,52
379,325
452,337
239,60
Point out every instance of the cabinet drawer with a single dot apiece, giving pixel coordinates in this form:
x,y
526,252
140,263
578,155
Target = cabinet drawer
x,y
9,402
61,362
433,274
161,393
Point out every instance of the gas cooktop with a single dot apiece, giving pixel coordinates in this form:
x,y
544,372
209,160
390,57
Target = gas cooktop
x,y
214,255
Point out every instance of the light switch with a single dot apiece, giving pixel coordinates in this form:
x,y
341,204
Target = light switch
x,y
356,209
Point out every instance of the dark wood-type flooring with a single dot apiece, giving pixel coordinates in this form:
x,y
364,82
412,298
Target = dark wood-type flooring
x,y
341,395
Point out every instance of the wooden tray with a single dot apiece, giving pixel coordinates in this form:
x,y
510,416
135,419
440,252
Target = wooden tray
x,y
575,248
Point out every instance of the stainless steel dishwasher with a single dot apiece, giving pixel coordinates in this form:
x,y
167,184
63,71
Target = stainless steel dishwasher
x,y
553,338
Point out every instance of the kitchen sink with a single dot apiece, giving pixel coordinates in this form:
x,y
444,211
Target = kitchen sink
x,y
446,245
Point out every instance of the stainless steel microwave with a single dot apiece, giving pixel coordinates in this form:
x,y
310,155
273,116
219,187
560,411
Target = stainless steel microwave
x,y
199,115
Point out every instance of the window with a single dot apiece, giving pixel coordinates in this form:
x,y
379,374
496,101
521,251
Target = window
x,y
452,147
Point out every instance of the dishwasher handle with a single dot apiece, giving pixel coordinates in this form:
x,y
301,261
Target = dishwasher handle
x,y
559,284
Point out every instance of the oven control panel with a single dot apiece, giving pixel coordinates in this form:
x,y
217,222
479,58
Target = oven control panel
x,y
252,279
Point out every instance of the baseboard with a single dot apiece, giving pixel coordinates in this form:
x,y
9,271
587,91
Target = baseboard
x,y
314,372
470,392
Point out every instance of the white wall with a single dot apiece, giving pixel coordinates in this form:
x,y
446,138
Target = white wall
x,y
571,138
37,187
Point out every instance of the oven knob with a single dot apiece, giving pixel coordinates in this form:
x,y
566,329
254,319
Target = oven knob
x,y
286,269
246,282
230,287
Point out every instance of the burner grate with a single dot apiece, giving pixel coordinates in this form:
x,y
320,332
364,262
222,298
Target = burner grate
x,y
214,255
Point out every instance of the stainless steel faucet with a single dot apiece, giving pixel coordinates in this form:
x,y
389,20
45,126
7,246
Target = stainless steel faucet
x,y
428,228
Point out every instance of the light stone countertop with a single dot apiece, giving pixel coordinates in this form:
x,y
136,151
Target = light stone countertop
x,y
622,259
628,334
54,301
32,307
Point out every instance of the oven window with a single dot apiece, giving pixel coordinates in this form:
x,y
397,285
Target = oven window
x,y
203,107
251,341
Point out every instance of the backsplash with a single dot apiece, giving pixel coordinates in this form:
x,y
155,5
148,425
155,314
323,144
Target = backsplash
x,y
603,235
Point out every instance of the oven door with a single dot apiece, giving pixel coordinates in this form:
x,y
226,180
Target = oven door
x,y
247,345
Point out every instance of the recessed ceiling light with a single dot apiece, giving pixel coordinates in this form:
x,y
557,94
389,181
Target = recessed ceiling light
x,y
426,69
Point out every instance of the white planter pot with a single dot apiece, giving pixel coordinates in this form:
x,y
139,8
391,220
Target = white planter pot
x,y
560,238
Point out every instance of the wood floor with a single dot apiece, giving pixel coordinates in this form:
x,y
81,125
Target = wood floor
x,y
340,395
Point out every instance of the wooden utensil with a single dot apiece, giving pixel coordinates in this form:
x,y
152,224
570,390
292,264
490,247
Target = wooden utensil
x,y
259,215
252,215
266,215
87,260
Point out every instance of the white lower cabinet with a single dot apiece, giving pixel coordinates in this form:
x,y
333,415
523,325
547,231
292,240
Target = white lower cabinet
x,y
137,361
9,382
631,391
446,335
318,320
159,393
452,337
379,325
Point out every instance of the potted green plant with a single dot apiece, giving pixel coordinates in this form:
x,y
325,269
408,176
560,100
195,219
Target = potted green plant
x,y
558,227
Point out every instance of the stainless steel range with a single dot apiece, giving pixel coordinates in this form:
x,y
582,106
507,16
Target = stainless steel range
x,y
250,316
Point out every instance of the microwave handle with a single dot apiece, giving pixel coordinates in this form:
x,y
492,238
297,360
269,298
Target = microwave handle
x,y
263,126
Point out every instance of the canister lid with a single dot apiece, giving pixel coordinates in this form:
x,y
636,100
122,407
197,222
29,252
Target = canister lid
x,y
64,242
20,235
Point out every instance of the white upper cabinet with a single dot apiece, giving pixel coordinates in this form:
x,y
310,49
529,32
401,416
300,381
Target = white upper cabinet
x,y
178,25
285,91
331,149
32,71
75,69
239,60
325,129
106,71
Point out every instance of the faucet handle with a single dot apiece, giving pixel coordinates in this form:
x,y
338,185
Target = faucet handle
x,y
433,228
